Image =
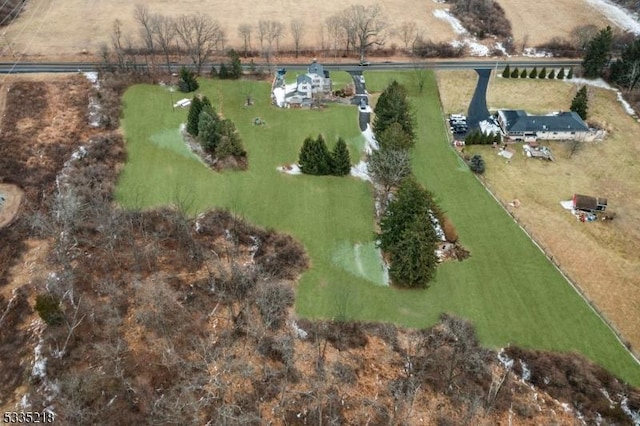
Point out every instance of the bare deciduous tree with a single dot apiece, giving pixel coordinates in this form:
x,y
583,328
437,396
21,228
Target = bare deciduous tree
x,y
200,36
244,30
269,31
408,32
335,32
297,31
148,23
389,167
368,26
582,35
164,35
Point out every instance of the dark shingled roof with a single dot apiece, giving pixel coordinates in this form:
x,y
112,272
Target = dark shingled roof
x,y
520,121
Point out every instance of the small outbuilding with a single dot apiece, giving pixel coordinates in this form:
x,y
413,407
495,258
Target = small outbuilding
x,y
588,203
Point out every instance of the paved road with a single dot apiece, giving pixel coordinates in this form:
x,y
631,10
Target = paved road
x,y
66,67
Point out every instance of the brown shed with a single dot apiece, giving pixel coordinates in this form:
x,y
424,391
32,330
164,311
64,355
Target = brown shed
x,y
588,203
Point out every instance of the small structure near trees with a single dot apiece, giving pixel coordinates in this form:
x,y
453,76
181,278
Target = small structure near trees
x,y
589,204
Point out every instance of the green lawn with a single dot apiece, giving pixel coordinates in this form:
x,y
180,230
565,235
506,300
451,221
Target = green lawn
x,y
507,287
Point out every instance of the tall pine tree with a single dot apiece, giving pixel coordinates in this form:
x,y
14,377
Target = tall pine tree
x,y
597,55
341,159
580,103
393,107
413,262
194,115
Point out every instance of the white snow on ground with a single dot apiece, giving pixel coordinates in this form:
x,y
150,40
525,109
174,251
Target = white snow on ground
x,y
278,92
488,127
625,104
372,144
92,77
94,105
475,48
292,169
532,52
616,14
633,415
361,171
452,20
501,48
39,369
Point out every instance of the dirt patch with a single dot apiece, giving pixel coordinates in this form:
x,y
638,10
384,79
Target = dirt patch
x,y
600,256
10,199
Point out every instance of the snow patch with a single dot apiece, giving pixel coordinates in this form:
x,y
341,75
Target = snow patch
x,y
455,23
617,14
526,372
504,359
292,169
633,415
499,46
475,48
92,77
627,107
361,170
299,332
370,139
532,52
39,369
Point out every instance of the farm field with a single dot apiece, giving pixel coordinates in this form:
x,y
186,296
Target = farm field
x,y
59,29
507,287
601,257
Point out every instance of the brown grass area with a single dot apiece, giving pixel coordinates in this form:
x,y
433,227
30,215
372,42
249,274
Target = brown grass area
x,y
48,26
538,22
600,256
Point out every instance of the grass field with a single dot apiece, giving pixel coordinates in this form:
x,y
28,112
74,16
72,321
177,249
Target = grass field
x,y
507,287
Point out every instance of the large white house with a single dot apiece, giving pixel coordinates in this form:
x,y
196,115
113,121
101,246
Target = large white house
x,y
316,80
520,126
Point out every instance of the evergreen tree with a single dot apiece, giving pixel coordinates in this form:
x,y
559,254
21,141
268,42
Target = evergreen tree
x,y
570,73
410,201
579,104
224,71
497,138
194,116
515,73
506,73
187,82
597,53
393,107
235,65
552,74
341,159
476,164
207,131
543,73
315,158
413,262
229,140
523,74
534,73
394,137
305,159
626,70
560,75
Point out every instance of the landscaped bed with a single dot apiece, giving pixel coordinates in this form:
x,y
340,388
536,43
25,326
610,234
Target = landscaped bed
x,y
507,287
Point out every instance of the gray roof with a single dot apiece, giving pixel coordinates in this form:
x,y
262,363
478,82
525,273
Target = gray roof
x,y
520,121
304,78
316,68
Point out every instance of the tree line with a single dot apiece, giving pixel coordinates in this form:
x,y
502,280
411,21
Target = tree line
x,y
407,236
507,72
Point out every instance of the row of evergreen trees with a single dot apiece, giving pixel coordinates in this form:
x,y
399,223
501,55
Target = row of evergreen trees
x,y
478,137
217,136
315,158
516,73
406,236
